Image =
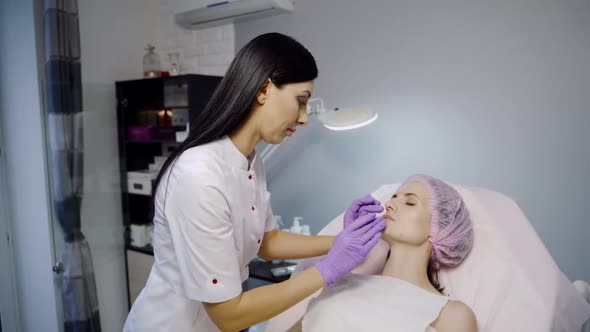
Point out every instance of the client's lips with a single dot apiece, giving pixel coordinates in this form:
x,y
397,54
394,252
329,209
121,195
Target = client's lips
x,y
388,217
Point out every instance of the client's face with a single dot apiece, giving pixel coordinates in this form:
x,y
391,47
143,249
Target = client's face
x,y
407,215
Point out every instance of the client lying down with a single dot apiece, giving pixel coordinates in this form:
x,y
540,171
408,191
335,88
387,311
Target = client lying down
x,y
428,227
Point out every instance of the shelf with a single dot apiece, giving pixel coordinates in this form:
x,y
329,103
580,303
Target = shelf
x,y
168,107
136,194
152,141
148,249
156,109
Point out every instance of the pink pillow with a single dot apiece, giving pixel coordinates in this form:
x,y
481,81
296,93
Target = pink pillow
x,y
509,279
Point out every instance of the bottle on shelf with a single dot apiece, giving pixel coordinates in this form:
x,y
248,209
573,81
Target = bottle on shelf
x,y
151,63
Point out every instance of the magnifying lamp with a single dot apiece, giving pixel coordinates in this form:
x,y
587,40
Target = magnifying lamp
x,y
334,119
340,118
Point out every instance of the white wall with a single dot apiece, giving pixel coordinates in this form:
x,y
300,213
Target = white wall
x,y
491,94
22,126
206,51
8,300
113,35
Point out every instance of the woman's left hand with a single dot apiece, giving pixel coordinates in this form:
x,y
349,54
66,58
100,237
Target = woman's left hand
x,y
361,207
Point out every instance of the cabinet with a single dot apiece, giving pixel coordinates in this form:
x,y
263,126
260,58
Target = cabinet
x,y
149,114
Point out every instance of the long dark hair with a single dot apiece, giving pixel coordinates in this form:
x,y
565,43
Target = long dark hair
x,y
271,56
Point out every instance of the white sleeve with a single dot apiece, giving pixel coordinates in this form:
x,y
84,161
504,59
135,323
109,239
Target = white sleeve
x,y
203,236
269,222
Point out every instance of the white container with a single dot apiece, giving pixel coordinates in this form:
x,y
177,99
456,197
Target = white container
x,y
175,94
278,221
296,228
157,164
138,235
180,116
159,160
140,182
149,233
154,167
305,230
182,135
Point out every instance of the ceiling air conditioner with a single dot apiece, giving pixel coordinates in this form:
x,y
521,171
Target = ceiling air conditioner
x,y
231,11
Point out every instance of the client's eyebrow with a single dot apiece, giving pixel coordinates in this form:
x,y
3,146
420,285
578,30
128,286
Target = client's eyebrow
x,y
407,194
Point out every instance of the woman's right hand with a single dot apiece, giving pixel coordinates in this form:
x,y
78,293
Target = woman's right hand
x,y
351,247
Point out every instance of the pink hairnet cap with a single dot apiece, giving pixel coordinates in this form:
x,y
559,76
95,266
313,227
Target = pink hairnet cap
x,y
451,230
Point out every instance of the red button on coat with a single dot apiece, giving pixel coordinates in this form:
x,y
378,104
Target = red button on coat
x,y
258,240
214,281
249,177
253,208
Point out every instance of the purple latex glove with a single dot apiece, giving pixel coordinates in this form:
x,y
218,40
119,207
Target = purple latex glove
x,y
350,248
361,207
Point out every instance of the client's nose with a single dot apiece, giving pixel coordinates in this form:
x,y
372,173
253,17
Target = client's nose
x,y
391,207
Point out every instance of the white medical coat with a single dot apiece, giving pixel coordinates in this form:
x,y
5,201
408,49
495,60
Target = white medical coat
x,y
211,213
